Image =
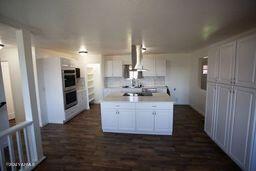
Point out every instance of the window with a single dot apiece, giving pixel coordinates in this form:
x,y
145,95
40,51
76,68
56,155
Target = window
x,y
203,71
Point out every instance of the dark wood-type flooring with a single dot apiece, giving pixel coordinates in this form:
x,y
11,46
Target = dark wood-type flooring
x,y
81,145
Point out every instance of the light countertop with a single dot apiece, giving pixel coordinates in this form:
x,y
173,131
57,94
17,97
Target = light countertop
x,y
120,87
157,97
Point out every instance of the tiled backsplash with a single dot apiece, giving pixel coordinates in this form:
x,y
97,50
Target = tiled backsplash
x,y
146,81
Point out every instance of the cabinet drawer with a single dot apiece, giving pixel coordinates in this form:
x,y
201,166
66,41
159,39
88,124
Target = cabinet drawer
x,y
118,105
149,105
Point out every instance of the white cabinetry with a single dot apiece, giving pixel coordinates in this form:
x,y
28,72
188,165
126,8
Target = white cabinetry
x,y
246,62
230,109
108,68
163,121
227,63
222,115
117,68
126,119
145,120
113,68
213,64
81,100
210,109
109,119
234,119
156,66
160,68
149,64
138,118
242,125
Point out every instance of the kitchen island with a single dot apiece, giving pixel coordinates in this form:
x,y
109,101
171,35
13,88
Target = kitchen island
x,y
135,114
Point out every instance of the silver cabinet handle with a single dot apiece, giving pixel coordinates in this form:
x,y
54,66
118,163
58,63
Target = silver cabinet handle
x,y
154,106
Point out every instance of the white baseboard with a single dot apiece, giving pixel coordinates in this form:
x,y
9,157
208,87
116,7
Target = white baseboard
x,y
199,111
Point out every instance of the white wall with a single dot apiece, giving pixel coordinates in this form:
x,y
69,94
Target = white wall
x,y
11,56
8,89
178,73
4,124
197,95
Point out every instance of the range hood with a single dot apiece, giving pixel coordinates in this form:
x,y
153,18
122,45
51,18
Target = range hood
x,y
136,55
137,58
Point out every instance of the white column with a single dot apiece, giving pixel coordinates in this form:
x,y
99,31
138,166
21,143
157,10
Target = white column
x,y
29,92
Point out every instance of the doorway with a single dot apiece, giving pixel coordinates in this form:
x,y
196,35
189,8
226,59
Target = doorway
x,y
8,89
4,124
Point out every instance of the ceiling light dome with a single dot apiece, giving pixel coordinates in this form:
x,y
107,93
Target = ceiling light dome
x,y
83,52
1,46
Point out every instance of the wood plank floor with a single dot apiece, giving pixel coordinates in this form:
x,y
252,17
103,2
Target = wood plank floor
x,y
81,145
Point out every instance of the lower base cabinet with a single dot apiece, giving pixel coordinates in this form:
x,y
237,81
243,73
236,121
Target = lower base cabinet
x,y
242,129
234,119
163,121
145,120
109,119
138,121
126,120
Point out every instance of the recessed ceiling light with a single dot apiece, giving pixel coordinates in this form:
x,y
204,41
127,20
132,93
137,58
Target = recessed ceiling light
x,y
143,49
82,52
1,46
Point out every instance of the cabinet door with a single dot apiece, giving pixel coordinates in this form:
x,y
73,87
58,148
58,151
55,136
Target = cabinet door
x,y
145,120
117,68
213,64
242,118
160,66
108,69
223,103
126,120
109,119
246,62
210,109
79,101
227,62
163,121
149,64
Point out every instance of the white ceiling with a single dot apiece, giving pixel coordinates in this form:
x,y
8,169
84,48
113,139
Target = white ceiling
x,y
110,26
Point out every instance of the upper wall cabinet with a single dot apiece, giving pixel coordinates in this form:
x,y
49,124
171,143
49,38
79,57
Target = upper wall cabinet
x,y
113,68
245,62
108,68
156,66
160,68
227,63
149,64
213,64
117,68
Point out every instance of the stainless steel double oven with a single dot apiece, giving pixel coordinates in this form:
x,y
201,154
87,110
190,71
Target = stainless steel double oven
x,y
69,87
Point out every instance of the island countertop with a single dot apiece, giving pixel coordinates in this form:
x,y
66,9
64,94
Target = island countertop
x,y
156,97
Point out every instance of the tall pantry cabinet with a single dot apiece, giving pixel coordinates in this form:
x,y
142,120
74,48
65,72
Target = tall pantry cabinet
x,y
230,118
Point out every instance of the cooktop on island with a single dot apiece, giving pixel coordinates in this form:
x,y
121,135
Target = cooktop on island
x,y
138,94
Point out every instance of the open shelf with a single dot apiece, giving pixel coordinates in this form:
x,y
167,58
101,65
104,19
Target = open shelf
x,y
90,83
